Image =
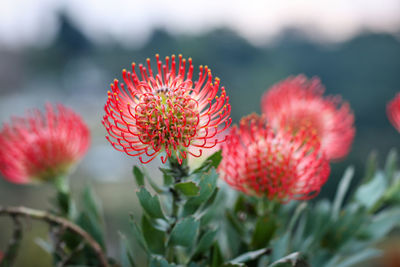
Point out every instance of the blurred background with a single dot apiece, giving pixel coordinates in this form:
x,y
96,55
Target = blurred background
x,y
69,51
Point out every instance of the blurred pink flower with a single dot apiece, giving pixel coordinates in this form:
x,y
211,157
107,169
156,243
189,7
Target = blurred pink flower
x,y
393,111
298,103
40,147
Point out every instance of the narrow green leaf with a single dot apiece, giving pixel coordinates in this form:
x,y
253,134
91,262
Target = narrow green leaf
x,y
251,255
234,222
299,209
341,191
92,204
264,231
280,246
189,189
363,256
291,260
127,258
391,165
368,194
168,179
212,161
155,239
153,184
139,176
207,183
185,232
370,167
158,261
151,204
216,256
383,223
206,241
137,233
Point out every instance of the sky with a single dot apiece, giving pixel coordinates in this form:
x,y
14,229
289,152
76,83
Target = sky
x,y
35,22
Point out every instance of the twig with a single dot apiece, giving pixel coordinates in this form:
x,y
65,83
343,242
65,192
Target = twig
x,y
13,245
51,219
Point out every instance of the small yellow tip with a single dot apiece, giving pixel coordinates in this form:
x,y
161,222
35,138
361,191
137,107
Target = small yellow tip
x,y
147,59
217,79
115,80
124,70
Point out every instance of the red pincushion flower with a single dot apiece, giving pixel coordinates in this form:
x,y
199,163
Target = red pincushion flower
x,y
166,111
298,103
393,112
40,147
259,161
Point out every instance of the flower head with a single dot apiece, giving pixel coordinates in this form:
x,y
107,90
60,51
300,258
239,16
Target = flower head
x,y
259,161
393,112
166,112
298,103
40,147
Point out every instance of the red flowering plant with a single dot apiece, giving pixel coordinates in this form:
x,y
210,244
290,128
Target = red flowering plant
x,y
166,112
252,202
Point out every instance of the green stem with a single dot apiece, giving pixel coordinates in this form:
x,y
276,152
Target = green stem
x,y
178,172
61,184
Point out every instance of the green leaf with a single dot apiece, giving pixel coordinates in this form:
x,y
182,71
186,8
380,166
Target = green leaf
x,y
291,260
127,258
341,191
151,204
391,165
207,183
264,231
251,255
383,223
370,167
363,256
189,189
206,241
153,184
155,239
92,204
185,232
299,209
212,161
235,223
139,176
168,179
137,233
368,194
280,246
92,227
216,256
158,261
